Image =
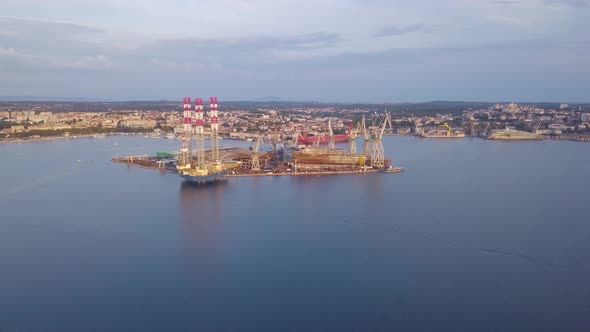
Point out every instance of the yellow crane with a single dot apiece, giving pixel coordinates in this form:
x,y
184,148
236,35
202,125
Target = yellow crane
x,y
448,128
354,133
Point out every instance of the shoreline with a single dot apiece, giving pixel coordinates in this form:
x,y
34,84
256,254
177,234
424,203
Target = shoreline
x,y
51,138
567,138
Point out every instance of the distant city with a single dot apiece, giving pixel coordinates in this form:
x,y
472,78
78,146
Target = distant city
x,y
248,120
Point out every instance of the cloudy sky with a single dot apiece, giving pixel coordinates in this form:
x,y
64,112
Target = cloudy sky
x,y
322,50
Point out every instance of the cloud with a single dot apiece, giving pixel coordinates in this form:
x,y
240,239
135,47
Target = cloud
x,y
398,30
66,47
507,2
239,48
569,3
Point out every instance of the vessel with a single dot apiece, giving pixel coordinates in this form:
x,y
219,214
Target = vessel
x,y
324,139
448,132
513,135
334,157
196,177
211,172
392,169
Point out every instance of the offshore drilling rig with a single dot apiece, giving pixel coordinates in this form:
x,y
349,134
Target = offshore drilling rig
x,y
197,168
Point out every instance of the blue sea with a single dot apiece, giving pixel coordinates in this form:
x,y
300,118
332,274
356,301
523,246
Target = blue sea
x,y
476,235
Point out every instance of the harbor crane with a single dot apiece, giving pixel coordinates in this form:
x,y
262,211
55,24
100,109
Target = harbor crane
x,y
275,141
354,133
366,137
377,152
255,154
295,140
537,126
485,131
331,144
449,129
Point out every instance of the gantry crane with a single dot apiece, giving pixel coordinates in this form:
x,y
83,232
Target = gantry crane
x,y
331,144
449,129
485,131
366,137
255,152
377,152
295,140
352,136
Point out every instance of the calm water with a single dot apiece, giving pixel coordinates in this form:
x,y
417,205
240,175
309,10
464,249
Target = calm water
x,y
475,236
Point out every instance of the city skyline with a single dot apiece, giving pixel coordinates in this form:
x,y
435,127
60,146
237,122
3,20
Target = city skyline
x,y
331,51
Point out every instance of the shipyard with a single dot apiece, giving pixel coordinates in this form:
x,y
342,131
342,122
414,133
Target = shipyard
x,y
295,155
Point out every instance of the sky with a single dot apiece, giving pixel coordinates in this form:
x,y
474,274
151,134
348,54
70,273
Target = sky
x,y
322,50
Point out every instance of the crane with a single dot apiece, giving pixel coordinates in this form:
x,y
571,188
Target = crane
x,y
274,140
377,153
354,132
255,151
330,135
295,140
366,136
485,131
537,126
448,128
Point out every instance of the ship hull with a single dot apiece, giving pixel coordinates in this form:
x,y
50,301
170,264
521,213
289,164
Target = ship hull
x,y
443,136
203,179
514,135
323,139
515,138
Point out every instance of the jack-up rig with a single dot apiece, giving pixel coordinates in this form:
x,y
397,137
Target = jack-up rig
x,y
198,169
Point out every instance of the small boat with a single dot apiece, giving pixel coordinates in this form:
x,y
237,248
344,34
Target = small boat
x,y
392,169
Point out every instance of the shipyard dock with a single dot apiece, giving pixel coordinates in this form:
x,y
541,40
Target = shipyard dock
x,y
286,157
312,163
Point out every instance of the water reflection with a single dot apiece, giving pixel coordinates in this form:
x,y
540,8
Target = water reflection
x,y
201,207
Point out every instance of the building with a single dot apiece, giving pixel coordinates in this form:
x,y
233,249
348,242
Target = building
x,y
139,123
585,117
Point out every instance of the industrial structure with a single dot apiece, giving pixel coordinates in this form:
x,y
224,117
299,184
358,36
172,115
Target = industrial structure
x,y
354,134
214,115
255,152
199,126
185,150
331,144
198,169
447,132
377,151
366,137
286,156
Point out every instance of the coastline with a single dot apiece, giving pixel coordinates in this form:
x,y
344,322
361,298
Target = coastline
x,y
51,138
565,137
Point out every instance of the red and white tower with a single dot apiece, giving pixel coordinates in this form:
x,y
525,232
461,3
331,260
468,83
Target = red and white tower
x,y
185,156
198,121
214,115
